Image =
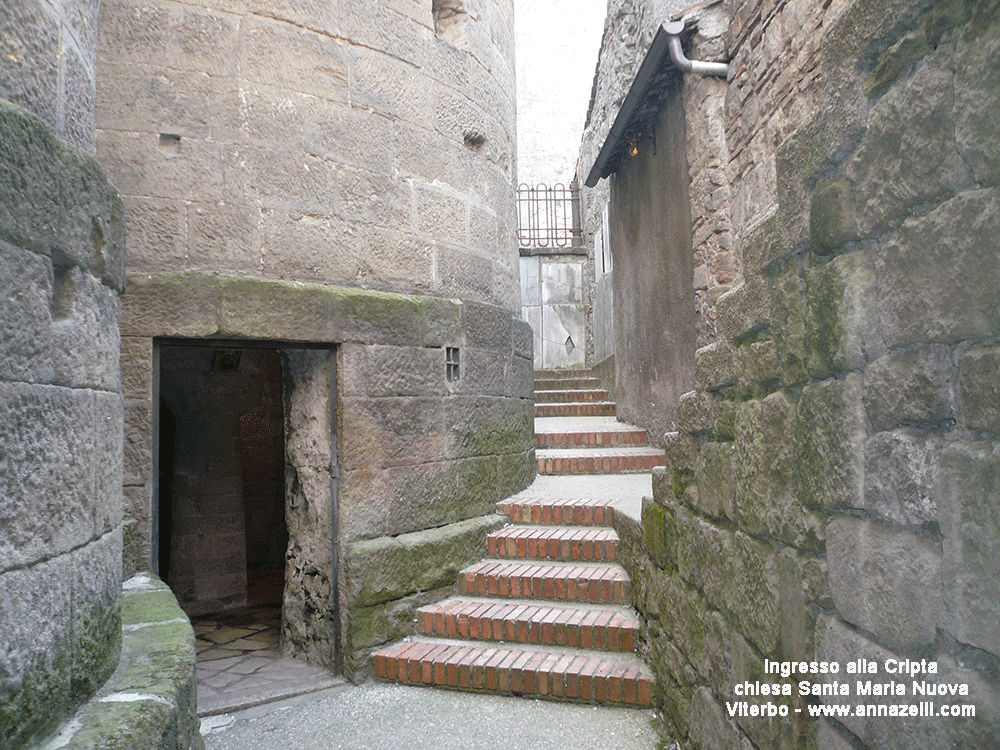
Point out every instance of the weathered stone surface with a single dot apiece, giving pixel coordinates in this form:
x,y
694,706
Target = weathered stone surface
x,y
764,472
392,371
908,154
830,442
757,365
715,366
96,617
841,318
38,659
659,535
979,389
976,103
744,310
937,276
47,472
715,476
389,568
967,489
910,387
26,333
695,412
831,216
709,728
788,327
899,477
900,602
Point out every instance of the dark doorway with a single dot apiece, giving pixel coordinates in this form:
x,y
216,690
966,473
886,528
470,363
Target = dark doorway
x,y
223,532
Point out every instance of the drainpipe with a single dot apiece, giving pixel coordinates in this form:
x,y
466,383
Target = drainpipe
x,y
697,67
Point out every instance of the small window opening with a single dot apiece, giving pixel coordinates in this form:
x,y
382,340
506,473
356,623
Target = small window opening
x,y
452,364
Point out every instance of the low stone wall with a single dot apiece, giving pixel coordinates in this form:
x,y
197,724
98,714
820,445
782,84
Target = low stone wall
x,y
149,701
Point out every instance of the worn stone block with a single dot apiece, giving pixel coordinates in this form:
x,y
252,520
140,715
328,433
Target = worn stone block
x,y
831,216
967,489
109,420
47,471
895,60
695,411
890,180
381,570
715,366
136,366
937,275
757,365
25,333
764,472
744,310
392,371
900,602
38,660
658,533
716,480
29,73
910,387
709,726
291,58
975,101
979,389
841,316
788,327
85,340
461,273
830,440
138,441
96,617
899,477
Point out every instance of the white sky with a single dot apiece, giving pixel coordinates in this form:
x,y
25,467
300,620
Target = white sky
x,y
557,45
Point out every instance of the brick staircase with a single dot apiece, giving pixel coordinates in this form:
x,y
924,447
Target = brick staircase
x,y
547,613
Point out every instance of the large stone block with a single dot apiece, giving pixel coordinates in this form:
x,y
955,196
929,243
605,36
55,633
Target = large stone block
x,y
85,339
715,476
710,730
967,490
37,659
976,102
841,318
715,366
47,467
937,275
97,623
29,73
889,180
910,387
979,388
832,222
744,310
788,325
381,570
766,447
25,317
376,371
899,477
830,440
886,580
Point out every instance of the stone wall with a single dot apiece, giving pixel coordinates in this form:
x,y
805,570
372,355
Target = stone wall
x,y
831,491
61,273
48,61
363,143
339,178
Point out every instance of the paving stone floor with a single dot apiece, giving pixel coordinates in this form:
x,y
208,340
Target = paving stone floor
x,y
239,665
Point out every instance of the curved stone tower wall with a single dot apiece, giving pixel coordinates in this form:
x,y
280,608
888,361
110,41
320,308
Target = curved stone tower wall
x,y
360,144
61,273
335,176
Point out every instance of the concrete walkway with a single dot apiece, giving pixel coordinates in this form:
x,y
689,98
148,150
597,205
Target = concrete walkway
x,y
378,716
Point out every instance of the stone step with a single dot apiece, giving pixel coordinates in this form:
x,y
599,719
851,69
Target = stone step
x,y
570,395
598,460
555,384
576,512
579,372
518,670
604,583
524,621
596,439
585,409
553,543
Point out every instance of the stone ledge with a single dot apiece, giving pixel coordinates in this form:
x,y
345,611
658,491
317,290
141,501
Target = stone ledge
x,y
149,703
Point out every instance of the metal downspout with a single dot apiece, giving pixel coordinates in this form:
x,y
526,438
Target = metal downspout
x,y
697,67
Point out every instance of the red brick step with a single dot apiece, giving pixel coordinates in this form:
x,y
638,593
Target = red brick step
x,y
518,670
589,512
598,460
577,409
553,542
578,582
566,396
613,629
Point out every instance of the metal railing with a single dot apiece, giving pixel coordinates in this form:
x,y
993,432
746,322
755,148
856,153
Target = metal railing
x,y
549,216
